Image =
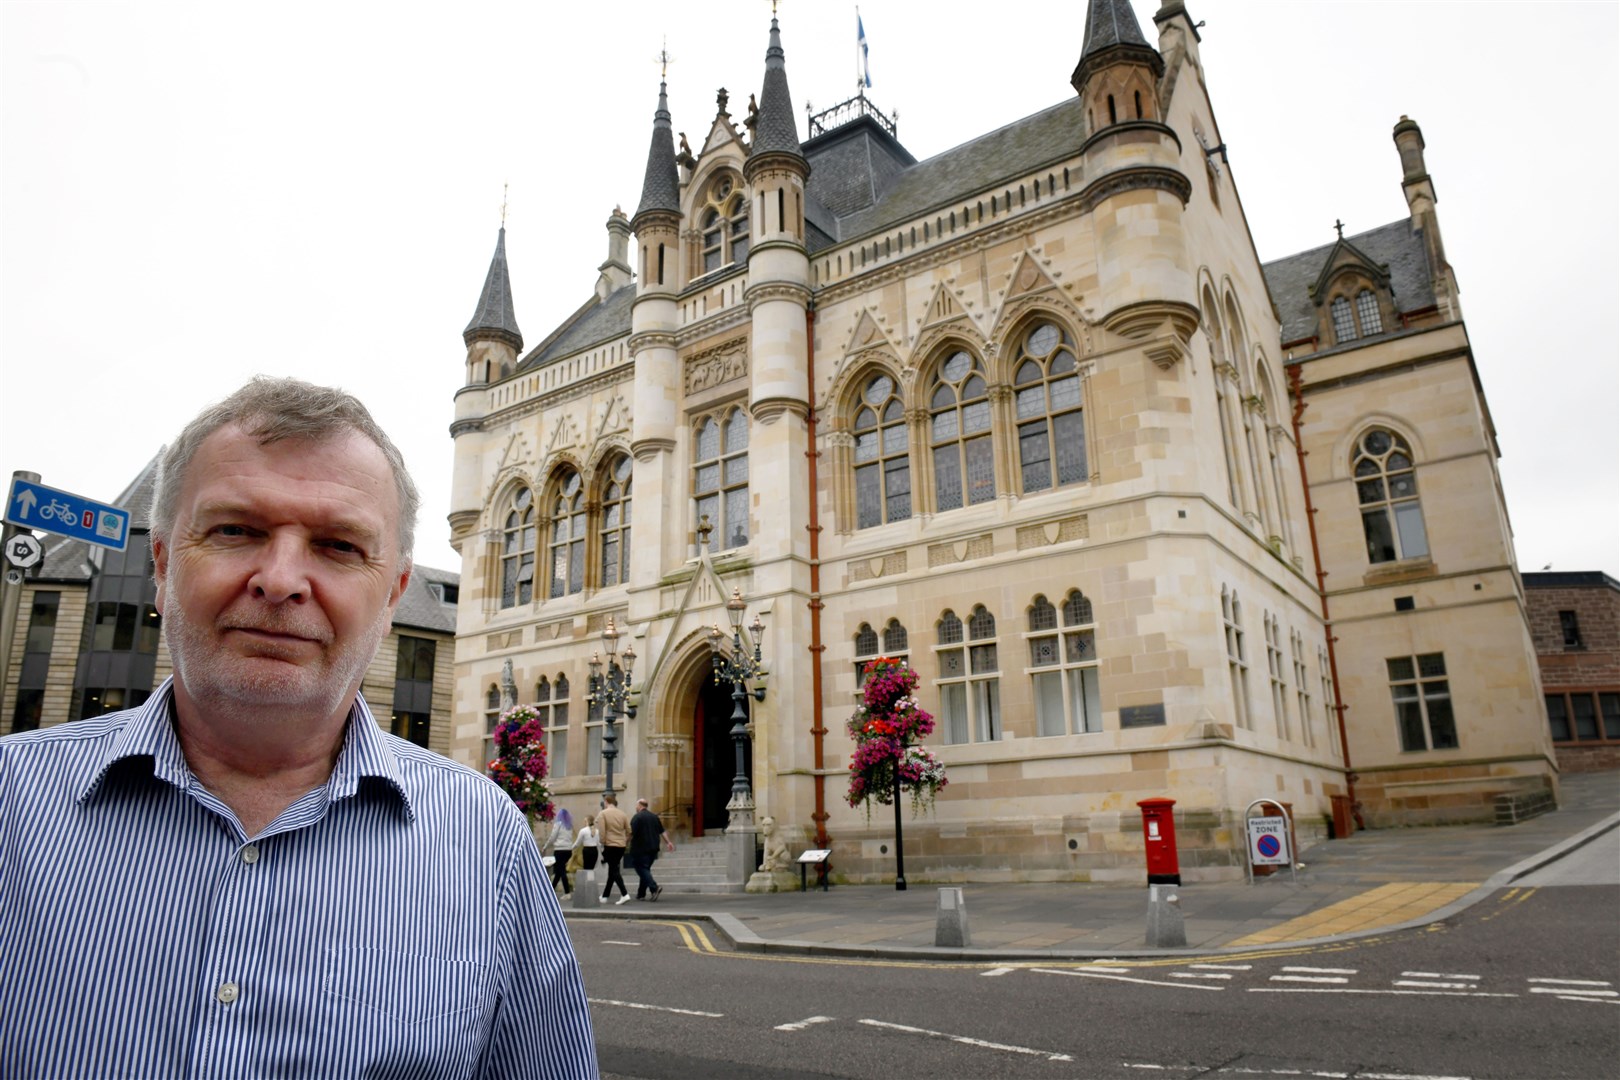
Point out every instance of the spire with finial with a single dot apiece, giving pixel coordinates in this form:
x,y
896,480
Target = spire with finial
x,y
494,319
661,189
775,131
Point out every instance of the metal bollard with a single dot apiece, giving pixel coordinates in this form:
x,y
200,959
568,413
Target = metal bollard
x,y
586,891
1165,927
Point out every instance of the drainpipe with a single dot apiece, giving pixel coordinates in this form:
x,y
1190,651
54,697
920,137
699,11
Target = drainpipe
x,y
1296,387
817,729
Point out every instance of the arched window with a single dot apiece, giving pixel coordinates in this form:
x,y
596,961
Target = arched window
x,y
517,550
567,548
1051,425
720,478
1063,665
615,529
725,224
959,433
1386,487
894,647
1223,404
969,683
882,456
1277,674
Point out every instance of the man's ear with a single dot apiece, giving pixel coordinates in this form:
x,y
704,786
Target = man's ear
x,y
160,569
399,585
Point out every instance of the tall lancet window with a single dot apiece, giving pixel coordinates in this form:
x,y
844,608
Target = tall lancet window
x,y
1051,426
882,456
720,478
517,550
959,430
615,530
568,536
724,219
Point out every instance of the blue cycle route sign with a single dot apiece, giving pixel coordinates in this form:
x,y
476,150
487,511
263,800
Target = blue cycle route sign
x,y
35,506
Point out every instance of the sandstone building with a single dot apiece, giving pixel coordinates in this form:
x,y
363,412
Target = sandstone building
x,y
1031,415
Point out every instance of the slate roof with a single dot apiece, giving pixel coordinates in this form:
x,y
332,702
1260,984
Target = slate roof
x,y
661,187
1110,23
1398,245
974,166
597,321
494,311
420,608
775,130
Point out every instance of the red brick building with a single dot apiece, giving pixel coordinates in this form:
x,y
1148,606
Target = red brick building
x,y
1575,620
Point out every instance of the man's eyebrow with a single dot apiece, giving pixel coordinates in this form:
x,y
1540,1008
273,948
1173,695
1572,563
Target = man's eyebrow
x,y
225,508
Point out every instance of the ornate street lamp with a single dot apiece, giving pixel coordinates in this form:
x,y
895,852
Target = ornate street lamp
x,y
746,672
611,690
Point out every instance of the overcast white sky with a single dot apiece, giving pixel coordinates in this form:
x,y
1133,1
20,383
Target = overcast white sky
x,y
192,193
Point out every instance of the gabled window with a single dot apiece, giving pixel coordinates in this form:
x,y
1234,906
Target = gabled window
x,y
724,220
517,550
1344,324
1367,313
720,478
1063,666
567,544
1361,321
959,433
882,456
1051,425
1386,487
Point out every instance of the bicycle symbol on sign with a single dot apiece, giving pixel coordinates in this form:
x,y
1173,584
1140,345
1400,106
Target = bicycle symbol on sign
x,y
60,510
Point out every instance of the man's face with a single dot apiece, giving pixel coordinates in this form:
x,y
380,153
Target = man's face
x,y
282,572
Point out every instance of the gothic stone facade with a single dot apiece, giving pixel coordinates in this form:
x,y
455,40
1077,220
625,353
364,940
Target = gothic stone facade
x,y
1020,414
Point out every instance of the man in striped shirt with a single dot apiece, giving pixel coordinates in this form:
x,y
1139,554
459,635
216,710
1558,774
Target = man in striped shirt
x,y
245,876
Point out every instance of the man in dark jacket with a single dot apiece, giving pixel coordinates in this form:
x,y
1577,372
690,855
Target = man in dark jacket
x,y
646,833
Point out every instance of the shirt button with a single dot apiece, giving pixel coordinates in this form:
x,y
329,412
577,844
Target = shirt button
x,y
250,854
226,993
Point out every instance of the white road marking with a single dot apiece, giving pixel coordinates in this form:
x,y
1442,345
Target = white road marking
x,y
1352,990
653,1008
1223,967
1199,975
1322,971
610,941
1240,1071
1575,991
1434,975
1093,973
967,1041
1428,984
997,971
802,1024
1589,1001
1105,967
1573,982
1310,978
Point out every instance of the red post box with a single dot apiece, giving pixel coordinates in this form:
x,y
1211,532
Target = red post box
x,y
1159,840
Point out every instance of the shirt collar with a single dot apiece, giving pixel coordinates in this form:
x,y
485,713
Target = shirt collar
x,y
148,731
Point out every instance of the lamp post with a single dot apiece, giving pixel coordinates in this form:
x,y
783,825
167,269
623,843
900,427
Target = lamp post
x,y
746,672
611,690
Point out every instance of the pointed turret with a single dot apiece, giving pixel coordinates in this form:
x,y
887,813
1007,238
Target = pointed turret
x,y
661,189
494,319
775,131
1118,73
1418,187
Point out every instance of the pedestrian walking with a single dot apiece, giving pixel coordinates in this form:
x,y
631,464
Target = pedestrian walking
x,y
561,842
615,833
646,833
586,843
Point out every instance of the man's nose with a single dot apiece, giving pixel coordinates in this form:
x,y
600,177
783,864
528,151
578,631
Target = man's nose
x,y
282,574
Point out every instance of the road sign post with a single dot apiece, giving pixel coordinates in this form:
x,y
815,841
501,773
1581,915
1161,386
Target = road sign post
x,y
32,505
10,595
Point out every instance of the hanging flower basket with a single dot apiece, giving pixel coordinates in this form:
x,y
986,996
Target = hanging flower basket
x,y
886,728
520,762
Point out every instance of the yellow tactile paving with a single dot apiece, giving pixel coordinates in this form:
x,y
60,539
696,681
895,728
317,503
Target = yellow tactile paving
x,y
1386,905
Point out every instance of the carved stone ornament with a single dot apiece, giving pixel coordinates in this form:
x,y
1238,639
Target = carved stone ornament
x,y
713,367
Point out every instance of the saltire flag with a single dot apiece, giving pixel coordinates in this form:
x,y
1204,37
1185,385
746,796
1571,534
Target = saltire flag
x,y
864,76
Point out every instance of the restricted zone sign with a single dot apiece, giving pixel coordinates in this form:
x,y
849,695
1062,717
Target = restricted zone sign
x,y
1268,841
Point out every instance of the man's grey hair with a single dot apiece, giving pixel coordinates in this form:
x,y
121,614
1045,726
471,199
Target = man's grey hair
x,y
271,410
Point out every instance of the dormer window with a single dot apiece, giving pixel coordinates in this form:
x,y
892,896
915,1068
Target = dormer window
x,y
1362,320
724,221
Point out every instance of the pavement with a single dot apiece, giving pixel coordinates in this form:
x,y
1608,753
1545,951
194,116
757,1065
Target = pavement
x,y
1373,882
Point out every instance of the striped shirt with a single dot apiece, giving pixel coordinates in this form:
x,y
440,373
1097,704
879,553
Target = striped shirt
x,y
395,922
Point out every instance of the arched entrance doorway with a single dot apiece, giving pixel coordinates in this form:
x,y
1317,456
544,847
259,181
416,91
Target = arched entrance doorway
x,y
714,757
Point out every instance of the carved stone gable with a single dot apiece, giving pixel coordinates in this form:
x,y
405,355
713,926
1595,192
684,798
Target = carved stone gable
x,y
516,452
564,434
867,335
612,416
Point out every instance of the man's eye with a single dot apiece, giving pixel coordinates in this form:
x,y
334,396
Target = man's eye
x,y
230,530
342,547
